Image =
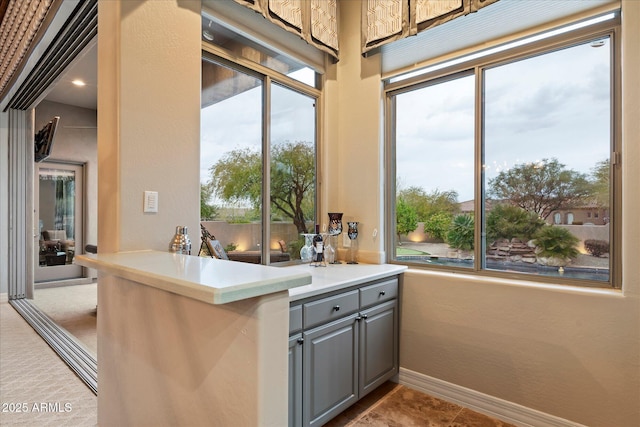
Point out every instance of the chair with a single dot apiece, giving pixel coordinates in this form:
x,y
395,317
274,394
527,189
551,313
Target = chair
x,y
210,245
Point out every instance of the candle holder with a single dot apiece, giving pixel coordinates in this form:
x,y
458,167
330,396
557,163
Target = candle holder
x,y
334,230
352,233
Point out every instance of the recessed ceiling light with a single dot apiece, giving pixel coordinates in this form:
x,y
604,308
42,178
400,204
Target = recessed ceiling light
x,y
78,82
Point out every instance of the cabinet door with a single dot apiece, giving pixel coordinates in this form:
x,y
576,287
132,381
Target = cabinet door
x,y
330,372
378,346
295,380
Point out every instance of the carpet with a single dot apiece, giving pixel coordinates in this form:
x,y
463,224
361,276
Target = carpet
x,y
37,388
74,309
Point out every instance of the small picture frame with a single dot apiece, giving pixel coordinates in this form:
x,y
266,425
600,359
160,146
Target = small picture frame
x,y
216,250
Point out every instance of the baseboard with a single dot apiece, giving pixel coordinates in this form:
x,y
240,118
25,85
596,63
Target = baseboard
x,y
480,402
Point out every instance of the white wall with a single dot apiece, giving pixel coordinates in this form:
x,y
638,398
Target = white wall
x,y
570,353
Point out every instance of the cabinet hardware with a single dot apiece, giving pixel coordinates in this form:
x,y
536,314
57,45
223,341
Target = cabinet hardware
x,y
364,316
336,308
382,293
300,341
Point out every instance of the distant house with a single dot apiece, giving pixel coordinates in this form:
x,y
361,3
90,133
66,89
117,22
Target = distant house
x,y
590,213
468,206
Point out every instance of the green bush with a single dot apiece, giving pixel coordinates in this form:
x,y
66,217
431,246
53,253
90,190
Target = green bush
x,y
556,242
438,224
507,221
295,246
596,248
461,234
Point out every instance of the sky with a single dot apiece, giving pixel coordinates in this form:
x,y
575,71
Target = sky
x,y
551,106
237,123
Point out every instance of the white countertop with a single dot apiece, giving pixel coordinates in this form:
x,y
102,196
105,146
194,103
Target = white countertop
x,y
334,277
206,279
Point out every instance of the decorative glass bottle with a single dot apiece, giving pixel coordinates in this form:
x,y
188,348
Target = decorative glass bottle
x,y
352,232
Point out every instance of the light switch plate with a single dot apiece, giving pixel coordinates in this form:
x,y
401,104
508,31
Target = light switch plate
x,y
150,202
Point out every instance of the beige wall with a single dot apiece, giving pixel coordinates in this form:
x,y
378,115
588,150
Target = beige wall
x,y
148,121
353,155
567,352
571,353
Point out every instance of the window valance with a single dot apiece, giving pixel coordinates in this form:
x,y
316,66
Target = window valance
x,y
384,21
315,21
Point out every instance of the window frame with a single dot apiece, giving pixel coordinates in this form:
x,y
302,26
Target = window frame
x,y
216,54
392,87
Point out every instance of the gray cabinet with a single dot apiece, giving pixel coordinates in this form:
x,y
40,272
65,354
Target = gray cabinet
x,y
349,346
295,380
379,346
330,370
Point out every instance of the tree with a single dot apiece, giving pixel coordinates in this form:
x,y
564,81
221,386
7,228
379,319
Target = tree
x,y
542,187
428,204
207,210
508,221
237,177
600,180
406,218
293,179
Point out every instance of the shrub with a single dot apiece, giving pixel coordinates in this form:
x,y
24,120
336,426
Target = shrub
x,y
596,248
461,233
556,242
295,246
438,224
507,222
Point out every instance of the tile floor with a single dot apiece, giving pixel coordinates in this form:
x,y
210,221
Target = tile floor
x,y
394,405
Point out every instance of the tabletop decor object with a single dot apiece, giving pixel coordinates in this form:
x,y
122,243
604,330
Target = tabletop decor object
x,y
181,244
334,230
352,233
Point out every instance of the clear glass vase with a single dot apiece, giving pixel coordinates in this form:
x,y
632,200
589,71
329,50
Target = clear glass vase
x,y
306,252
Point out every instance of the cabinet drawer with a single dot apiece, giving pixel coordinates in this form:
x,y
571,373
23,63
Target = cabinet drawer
x,y
295,318
380,292
330,308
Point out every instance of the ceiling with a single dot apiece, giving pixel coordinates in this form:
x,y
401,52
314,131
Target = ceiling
x,y
84,68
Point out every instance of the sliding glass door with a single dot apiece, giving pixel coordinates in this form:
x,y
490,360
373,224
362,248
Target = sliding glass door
x,y
59,220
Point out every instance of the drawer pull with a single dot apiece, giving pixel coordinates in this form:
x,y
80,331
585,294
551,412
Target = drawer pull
x,y
364,316
336,308
382,293
300,341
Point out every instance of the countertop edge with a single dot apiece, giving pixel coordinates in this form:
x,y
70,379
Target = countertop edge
x,y
312,290
192,289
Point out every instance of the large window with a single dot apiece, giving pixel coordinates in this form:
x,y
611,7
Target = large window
x,y
258,152
507,165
